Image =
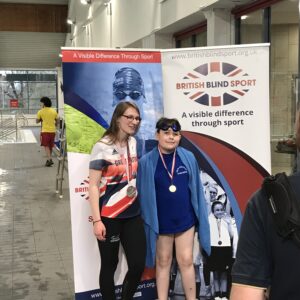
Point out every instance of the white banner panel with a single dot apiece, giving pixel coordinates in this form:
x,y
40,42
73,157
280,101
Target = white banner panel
x,y
220,96
223,93
89,77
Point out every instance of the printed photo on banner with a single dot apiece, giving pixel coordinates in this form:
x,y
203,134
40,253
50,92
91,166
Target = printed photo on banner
x,y
99,87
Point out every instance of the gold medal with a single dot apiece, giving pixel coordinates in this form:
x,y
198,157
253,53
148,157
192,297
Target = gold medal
x,y
172,188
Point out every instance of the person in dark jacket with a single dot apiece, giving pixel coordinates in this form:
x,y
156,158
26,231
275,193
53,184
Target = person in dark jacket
x,y
266,263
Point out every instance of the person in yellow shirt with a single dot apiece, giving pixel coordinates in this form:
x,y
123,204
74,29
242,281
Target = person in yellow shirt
x,y
49,119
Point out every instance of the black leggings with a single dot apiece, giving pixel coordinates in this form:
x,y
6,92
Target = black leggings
x,y
130,232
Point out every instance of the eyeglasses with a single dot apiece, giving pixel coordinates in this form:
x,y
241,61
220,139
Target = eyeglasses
x,y
175,127
134,95
131,118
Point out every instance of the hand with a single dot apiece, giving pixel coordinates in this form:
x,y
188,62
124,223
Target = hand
x,y
100,231
227,218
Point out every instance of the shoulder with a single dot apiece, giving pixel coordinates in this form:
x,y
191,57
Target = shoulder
x,y
183,151
101,145
148,156
257,224
257,205
102,151
188,158
51,110
294,180
296,175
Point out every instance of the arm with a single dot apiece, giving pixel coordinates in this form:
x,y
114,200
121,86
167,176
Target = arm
x,y
57,121
235,238
38,118
252,270
99,228
227,219
244,292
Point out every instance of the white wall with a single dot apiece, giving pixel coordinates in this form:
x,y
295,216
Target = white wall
x,y
174,10
133,20
127,22
100,27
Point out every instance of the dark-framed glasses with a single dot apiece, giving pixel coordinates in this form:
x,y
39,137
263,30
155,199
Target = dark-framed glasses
x,y
175,127
134,95
131,118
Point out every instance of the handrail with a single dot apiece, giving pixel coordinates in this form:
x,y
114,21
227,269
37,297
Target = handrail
x,y
10,125
61,159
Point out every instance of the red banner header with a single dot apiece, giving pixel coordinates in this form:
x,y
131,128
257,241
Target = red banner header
x,y
111,56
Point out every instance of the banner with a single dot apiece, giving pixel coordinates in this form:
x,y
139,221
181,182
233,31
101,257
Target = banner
x,y
220,95
90,81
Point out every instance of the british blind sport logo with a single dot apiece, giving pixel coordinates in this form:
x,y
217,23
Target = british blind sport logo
x,y
83,189
216,84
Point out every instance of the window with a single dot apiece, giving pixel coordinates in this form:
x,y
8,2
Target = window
x,y
195,36
277,22
21,90
251,29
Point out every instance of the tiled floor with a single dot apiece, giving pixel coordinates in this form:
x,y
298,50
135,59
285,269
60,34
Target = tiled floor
x,y
35,228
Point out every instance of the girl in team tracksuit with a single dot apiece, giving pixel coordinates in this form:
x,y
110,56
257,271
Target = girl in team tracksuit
x,y
114,204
